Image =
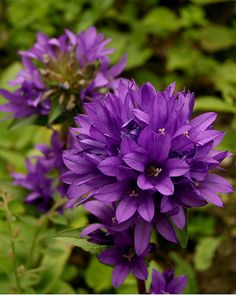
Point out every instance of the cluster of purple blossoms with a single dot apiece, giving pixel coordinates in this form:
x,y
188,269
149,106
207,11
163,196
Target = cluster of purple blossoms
x,y
63,72
138,161
42,175
166,283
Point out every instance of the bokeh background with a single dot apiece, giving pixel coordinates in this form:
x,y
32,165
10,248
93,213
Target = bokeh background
x,y
190,42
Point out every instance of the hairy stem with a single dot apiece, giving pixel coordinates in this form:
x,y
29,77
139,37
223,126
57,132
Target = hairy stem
x,y
12,243
141,286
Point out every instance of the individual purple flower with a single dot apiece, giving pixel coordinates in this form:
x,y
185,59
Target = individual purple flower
x,y
140,151
39,185
125,259
42,178
59,74
166,283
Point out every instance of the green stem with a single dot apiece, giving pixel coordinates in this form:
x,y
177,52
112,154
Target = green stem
x,y
12,243
41,223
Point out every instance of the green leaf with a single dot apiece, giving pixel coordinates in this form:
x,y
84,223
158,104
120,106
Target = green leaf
x,y
52,268
11,191
9,74
98,276
160,20
182,234
55,111
205,252
201,225
16,123
72,236
212,103
214,38
206,2
184,267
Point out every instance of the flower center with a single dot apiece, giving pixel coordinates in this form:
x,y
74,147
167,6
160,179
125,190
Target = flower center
x,y
153,170
133,193
129,254
64,77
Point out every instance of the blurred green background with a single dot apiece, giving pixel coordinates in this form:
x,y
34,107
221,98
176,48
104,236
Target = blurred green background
x,y
190,42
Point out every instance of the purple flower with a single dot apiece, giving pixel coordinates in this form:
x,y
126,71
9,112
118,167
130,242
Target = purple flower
x,y
137,162
39,180
62,73
140,150
125,259
166,283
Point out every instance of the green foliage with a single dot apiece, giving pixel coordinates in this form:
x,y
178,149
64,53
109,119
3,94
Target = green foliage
x,y
98,276
205,252
72,236
184,267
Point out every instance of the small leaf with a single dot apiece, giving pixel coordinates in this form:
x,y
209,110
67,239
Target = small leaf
x,y
212,103
55,111
72,236
182,234
205,252
16,123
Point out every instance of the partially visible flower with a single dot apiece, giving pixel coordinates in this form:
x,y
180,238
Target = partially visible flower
x,y
125,259
42,178
39,185
62,73
166,283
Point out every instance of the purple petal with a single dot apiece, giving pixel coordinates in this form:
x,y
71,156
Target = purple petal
x,y
111,192
110,166
164,227
144,182
126,209
100,210
165,186
119,274
90,229
158,285
146,208
142,236
179,219
136,161
109,256
176,167
139,269
177,285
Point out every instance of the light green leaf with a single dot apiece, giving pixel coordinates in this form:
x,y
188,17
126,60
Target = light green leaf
x,y
214,37
52,268
9,74
212,103
98,276
184,267
160,20
72,236
205,252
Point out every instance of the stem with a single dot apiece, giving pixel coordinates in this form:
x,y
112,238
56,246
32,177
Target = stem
x,y
12,243
141,286
42,221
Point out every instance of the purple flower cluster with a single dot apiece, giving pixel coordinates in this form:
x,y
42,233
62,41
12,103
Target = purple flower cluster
x,y
166,283
42,174
137,163
61,71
